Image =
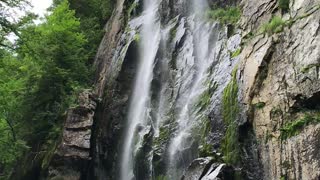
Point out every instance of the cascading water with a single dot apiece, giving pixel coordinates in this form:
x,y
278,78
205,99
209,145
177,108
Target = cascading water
x,y
160,137
138,116
180,150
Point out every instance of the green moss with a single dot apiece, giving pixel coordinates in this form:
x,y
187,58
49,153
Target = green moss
x,y
283,178
162,177
228,15
230,111
284,4
307,68
173,33
205,149
137,38
259,105
295,127
165,132
236,53
275,25
205,98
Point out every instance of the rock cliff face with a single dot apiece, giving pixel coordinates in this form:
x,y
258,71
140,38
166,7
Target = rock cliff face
x,y
280,72
72,156
253,111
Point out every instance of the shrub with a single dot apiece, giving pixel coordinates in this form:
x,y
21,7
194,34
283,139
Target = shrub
x,y
228,15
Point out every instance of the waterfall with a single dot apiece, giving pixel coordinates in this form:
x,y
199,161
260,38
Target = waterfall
x,y
188,82
181,152
138,116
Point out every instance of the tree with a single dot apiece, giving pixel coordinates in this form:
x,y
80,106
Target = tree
x,y
9,22
12,89
57,46
93,15
39,80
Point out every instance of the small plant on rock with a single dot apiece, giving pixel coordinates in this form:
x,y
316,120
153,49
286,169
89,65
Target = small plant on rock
x,y
295,127
228,15
275,25
236,53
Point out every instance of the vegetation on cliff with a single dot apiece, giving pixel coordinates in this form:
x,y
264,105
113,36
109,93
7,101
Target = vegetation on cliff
x,y
275,25
295,127
228,15
230,111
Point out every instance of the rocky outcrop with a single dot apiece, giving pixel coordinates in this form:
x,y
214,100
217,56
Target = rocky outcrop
x,y
208,169
105,54
72,156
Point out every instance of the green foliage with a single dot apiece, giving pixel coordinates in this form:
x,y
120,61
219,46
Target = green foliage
x,y
284,4
295,127
230,111
57,46
39,81
93,15
206,150
236,53
228,15
13,77
275,25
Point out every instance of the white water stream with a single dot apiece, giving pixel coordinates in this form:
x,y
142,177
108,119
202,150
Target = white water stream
x,y
138,114
194,60
188,118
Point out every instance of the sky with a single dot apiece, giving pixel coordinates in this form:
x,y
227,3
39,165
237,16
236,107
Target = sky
x,y
40,6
